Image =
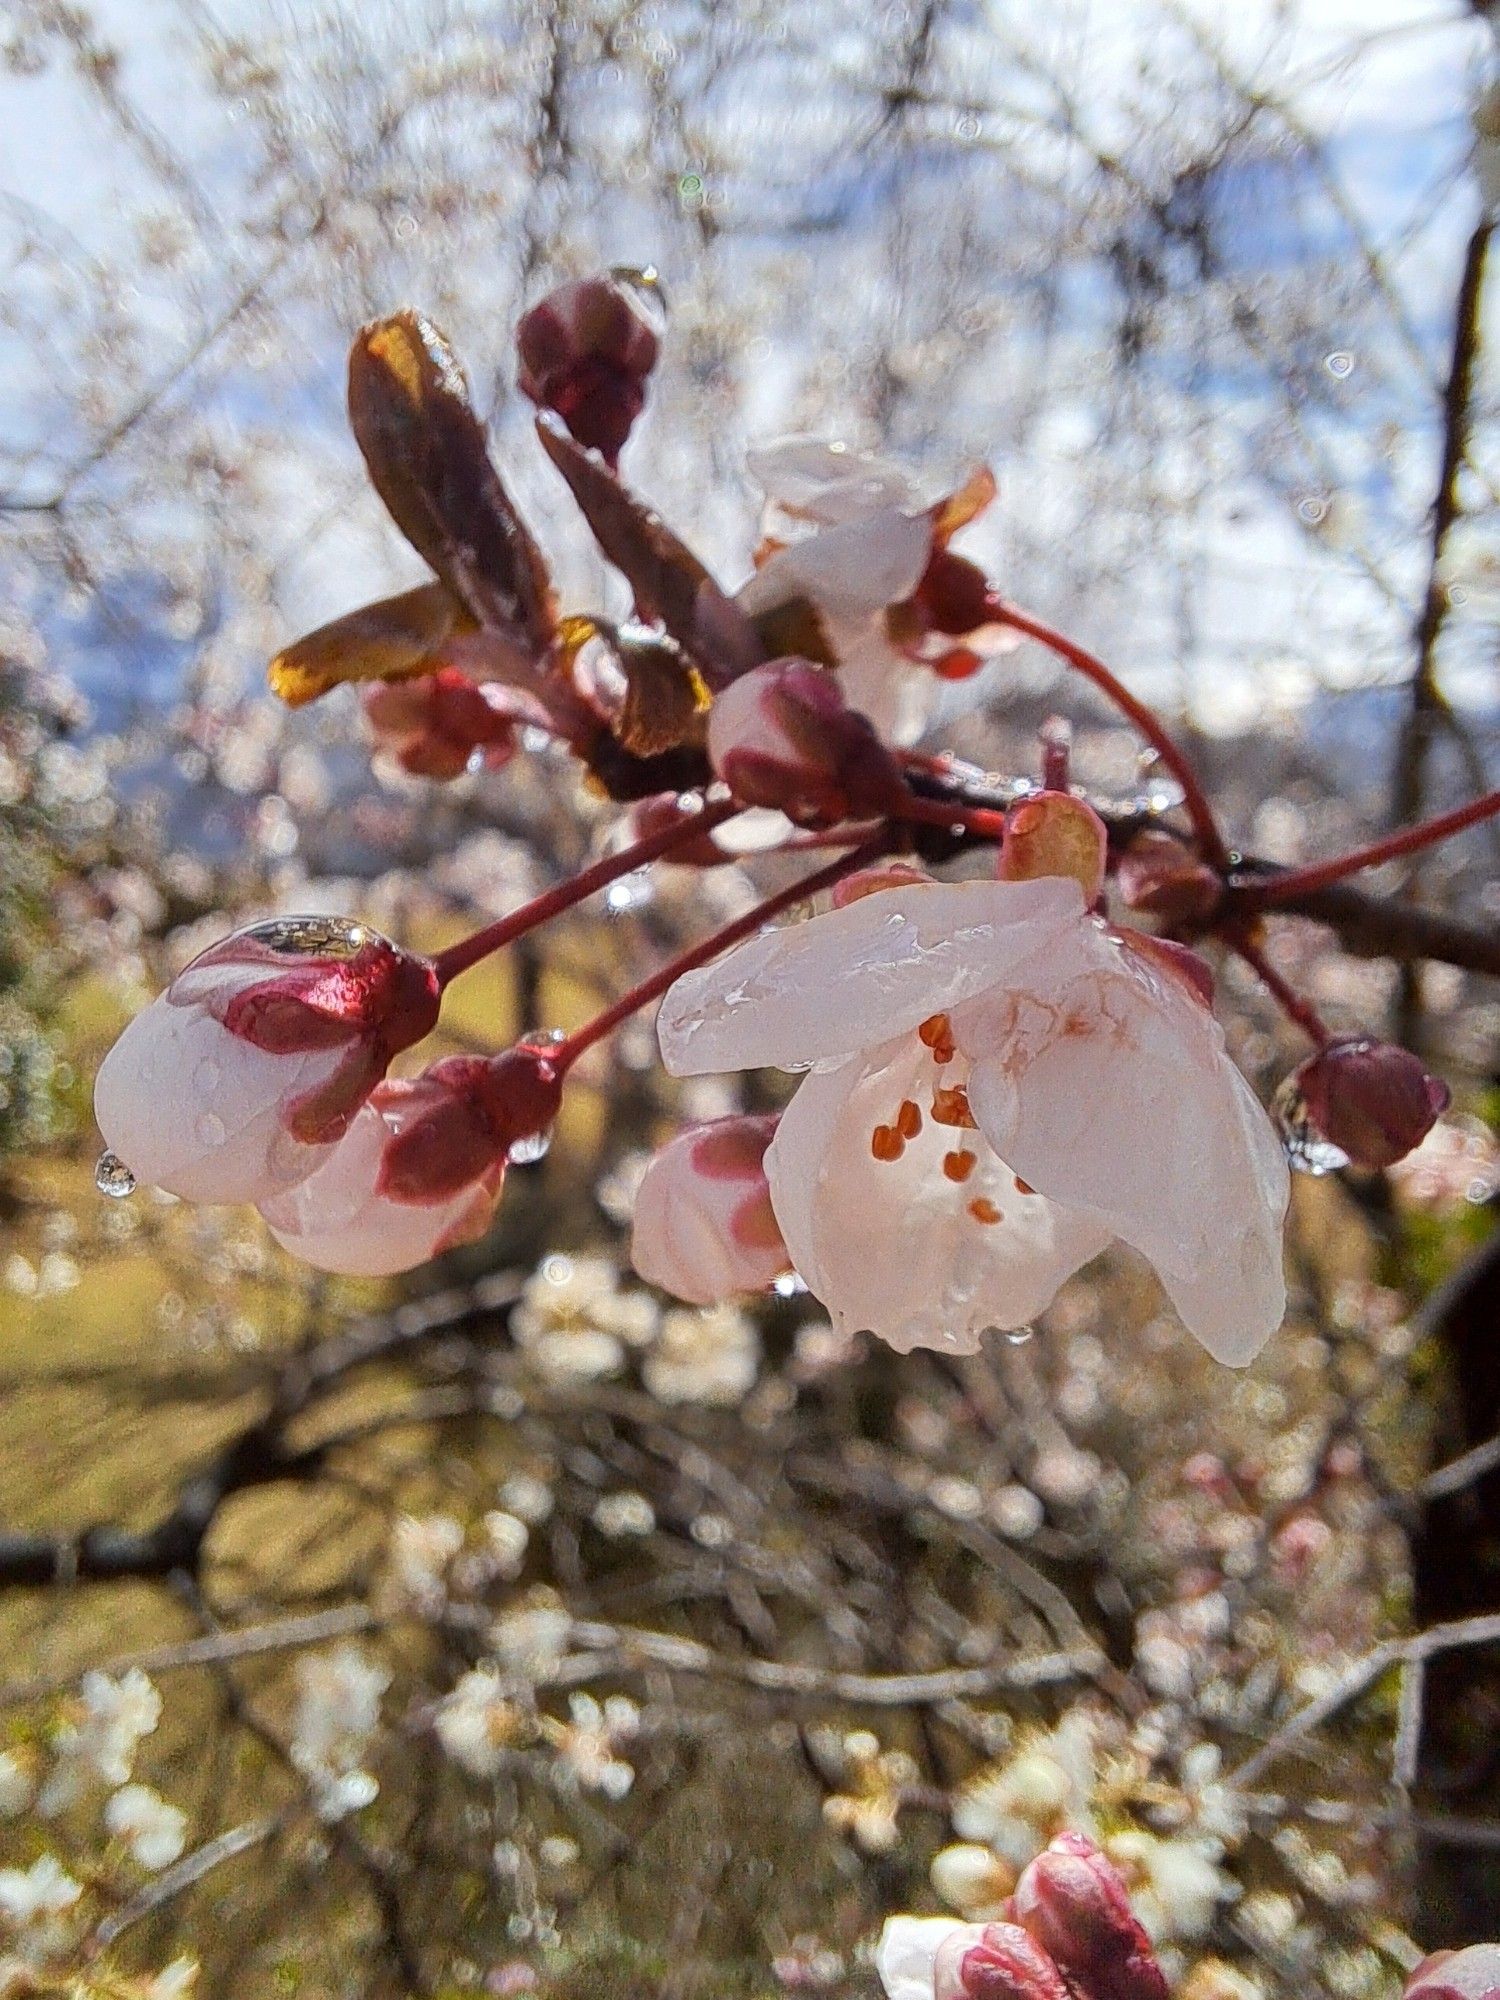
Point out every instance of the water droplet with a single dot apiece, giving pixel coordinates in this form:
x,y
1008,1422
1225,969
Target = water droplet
x,y
310,937
789,1286
1018,1336
1340,365
206,1075
526,1152
1306,1148
208,1129
113,1177
1312,510
631,892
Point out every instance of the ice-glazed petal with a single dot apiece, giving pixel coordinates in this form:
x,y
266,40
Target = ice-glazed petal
x,y
897,1246
1108,1087
824,481
906,1955
850,978
850,571
337,1221
193,1109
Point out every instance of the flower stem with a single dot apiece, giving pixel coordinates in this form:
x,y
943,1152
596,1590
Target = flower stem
x,y
1298,881
981,821
469,951
1284,993
568,1052
1146,720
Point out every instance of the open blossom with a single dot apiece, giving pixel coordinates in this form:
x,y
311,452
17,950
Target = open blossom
x,y
478,1723
97,1744
574,1322
1003,1085
420,1168
235,1084
703,1227
589,1742
709,1357
337,1712
154,1831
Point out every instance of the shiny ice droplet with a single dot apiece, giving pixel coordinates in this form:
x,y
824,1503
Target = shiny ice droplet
x,y
1306,1148
1019,1335
526,1152
113,1177
789,1285
1340,365
310,937
208,1129
631,892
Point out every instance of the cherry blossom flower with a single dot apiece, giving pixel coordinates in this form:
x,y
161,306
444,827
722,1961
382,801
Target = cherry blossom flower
x,y
97,1744
235,1084
337,1712
1000,1085
419,1170
708,1357
478,1724
703,1226
154,1831
589,1742
574,1322
422,1553
1074,1902
906,1956
1470,1974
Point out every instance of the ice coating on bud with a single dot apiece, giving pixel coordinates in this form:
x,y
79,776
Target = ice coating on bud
x,y
1073,1902
421,1166
783,736
586,352
1054,834
1159,874
1003,1963
235,1083
704,1228
1373,1101
1470,1974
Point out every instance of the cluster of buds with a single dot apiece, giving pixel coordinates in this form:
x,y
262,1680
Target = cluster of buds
x,y
587,351
783,736
1070,1935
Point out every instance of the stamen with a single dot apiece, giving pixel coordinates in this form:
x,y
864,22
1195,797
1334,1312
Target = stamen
x,y
1023,1187
936,1033
908,1119
951,1107
984,1210
886,1143
958,1166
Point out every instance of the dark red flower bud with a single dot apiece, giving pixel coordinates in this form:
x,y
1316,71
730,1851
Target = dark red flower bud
x,y
586,352
783,736
463,1117
1005,1964
1160,875
1373,1101
954,595
1073,1902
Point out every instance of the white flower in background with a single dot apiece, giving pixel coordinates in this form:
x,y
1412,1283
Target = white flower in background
x,y
97,1744
37,1907
974,1880
154,1831
529,1498
532,1636
874,1786
575,1323
422,1552
619,1515
17,1785
506,1540
478,1723
703,1357
992,1067
1016,1807
589,1742
337,1712
1175,1886
236,1082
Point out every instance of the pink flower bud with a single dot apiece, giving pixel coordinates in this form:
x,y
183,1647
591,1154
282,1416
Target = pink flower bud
x,y
235,1083
586,352
433,724
1054,834
1073,1901
1003,1963
1470,1974
1373,1101
1162,876
704,1226
783,736
420,1168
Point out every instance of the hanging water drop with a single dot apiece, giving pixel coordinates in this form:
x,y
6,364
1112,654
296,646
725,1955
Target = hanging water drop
x,y
113,1177
1017,1336
1306,1148
310,937
535,1146
789,1285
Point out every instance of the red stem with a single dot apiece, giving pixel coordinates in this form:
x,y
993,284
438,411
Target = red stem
x,y
1286,996
1146,720
982,821
1298,881
469,951
568,1052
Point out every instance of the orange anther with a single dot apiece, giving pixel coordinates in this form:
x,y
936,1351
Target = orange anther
x,y
1023,1187
984,1210
908,1119
886,1143
959,1166
951,1107
936,1033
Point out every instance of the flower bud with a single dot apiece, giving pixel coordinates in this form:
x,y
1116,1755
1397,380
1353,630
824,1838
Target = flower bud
x,y
1159,874
586,352
236,1082
704,1228
1002,1963
783,736
433,724
419,1170
1470,1974
1373,1101
1073,1902
906,1956
1053,833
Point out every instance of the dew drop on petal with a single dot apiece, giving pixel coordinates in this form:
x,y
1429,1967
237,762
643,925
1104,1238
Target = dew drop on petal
x,y
1306,1148
208,1129
310,937
535,1146
113,1177
789,1285
1340,365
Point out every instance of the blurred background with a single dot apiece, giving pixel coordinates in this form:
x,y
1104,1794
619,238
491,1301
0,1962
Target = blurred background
x,y
1189,278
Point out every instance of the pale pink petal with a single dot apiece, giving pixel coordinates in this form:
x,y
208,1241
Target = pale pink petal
x,y
1107,1086
894,1246
906,1956
881,682
693,1232
336,1221
849,978
850,571
193,1109
825,481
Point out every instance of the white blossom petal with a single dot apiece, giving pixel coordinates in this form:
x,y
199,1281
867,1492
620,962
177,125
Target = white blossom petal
x,y
823,480
850,571
906,1955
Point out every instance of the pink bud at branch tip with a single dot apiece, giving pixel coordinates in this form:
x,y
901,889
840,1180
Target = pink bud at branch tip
x,y
586,352
1005,1963
1054,834
704,1228
782,735
1373,1101
1163,877
1073,1901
